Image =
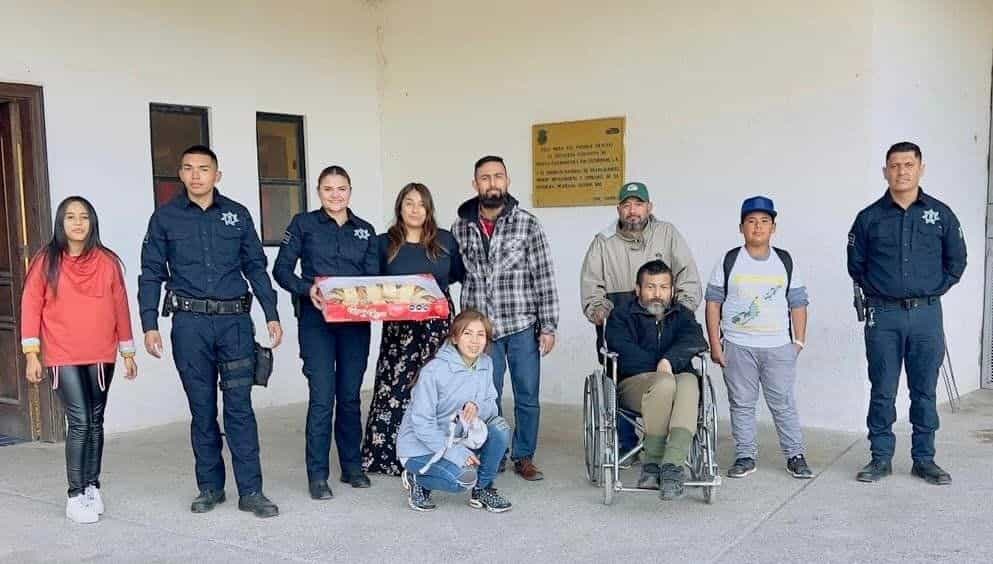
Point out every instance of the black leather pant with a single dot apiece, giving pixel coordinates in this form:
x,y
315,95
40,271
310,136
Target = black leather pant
x,y
83,391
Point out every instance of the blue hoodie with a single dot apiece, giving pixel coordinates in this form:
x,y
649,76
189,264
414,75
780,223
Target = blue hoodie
x,y
444,385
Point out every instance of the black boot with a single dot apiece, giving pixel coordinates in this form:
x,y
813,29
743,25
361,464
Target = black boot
x,y
672,482
207,501
649,479
875,470
258,504
319,489
356,479
931,472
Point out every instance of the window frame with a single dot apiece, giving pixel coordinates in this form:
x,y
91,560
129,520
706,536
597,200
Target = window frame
x,y
154,107
280,182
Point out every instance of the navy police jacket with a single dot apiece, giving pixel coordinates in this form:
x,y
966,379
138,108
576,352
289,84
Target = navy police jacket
x,y
899,254
202,254
325,249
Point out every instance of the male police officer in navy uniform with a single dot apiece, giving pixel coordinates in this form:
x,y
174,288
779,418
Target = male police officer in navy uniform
x,y
204,246
905,251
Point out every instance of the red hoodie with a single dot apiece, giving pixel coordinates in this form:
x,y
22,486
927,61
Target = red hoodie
x,y
87,321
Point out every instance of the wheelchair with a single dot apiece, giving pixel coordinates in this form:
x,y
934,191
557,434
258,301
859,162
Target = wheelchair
x,y
603,455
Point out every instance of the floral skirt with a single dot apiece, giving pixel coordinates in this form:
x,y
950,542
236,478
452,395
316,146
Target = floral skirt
x,y
406,347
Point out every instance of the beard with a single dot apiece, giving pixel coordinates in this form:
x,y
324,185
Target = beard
x,y
633,225
656,307
492,200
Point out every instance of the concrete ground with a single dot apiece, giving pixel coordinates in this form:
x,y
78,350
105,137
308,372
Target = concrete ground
x,y
766,517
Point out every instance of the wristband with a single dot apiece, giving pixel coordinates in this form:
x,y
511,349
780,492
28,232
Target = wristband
x,y
31,345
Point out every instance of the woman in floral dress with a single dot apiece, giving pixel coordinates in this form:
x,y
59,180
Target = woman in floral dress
x,y
412,245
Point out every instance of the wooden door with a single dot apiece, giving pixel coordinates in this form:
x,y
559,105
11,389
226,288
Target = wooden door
x,y
27,411
15,410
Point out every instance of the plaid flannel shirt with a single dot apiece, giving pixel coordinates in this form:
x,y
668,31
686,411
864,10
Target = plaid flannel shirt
x,y
511,280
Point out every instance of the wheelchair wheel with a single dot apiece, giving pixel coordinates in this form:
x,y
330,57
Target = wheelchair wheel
x,y
608,486
591,431
694,458
711,414
703,456
708,494
709,463
607,416
607,468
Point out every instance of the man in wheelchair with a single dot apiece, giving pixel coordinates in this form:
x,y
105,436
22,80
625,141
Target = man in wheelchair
x,y
656,340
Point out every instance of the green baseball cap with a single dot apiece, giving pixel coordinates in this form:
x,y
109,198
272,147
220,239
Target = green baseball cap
x,y
633,190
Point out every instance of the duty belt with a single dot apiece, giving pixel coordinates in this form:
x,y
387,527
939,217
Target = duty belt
x,y
906,303
209,307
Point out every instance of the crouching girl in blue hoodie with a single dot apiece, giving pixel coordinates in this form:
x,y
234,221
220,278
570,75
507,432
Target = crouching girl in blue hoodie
x,y
451,438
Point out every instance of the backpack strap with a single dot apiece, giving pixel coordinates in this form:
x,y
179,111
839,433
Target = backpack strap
x,y
729,258
788,263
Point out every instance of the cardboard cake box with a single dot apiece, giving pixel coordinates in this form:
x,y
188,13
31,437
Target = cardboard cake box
x,y
414,297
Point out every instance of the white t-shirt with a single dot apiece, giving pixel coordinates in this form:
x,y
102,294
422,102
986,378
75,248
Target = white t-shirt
x,y
755,312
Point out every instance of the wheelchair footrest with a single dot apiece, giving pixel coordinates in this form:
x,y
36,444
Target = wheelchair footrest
x,y
716,482
701,484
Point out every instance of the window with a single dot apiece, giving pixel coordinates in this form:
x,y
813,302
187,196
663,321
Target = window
x,y
174,129
282,175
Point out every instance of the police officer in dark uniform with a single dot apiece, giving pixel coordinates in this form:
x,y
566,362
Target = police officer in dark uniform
x,y
204,246
905,251
330,241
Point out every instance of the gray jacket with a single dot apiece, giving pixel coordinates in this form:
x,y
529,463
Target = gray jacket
x,y
613,260
444,385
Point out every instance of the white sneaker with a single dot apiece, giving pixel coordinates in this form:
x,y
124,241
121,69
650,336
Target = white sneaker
x,y
93,499
77,510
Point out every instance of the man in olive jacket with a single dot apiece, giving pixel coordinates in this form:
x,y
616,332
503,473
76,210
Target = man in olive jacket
x,y
634,239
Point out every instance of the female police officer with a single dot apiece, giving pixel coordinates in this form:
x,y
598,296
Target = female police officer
x,y
330,241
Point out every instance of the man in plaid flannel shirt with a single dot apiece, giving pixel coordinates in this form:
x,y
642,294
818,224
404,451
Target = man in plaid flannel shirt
x,y
510,278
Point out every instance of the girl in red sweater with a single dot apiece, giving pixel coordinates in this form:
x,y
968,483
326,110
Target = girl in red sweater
x,y
75,305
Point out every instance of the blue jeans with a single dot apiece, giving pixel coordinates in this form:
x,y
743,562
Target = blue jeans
x,y
520,352
447,476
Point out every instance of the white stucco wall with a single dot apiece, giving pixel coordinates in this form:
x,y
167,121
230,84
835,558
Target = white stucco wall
x,y
931,81
723,101
102,63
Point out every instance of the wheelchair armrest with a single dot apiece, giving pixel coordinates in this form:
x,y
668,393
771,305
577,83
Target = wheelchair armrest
x,y
608,354
703,357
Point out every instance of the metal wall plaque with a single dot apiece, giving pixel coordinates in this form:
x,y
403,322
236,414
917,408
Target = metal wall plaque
x,y
578,163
